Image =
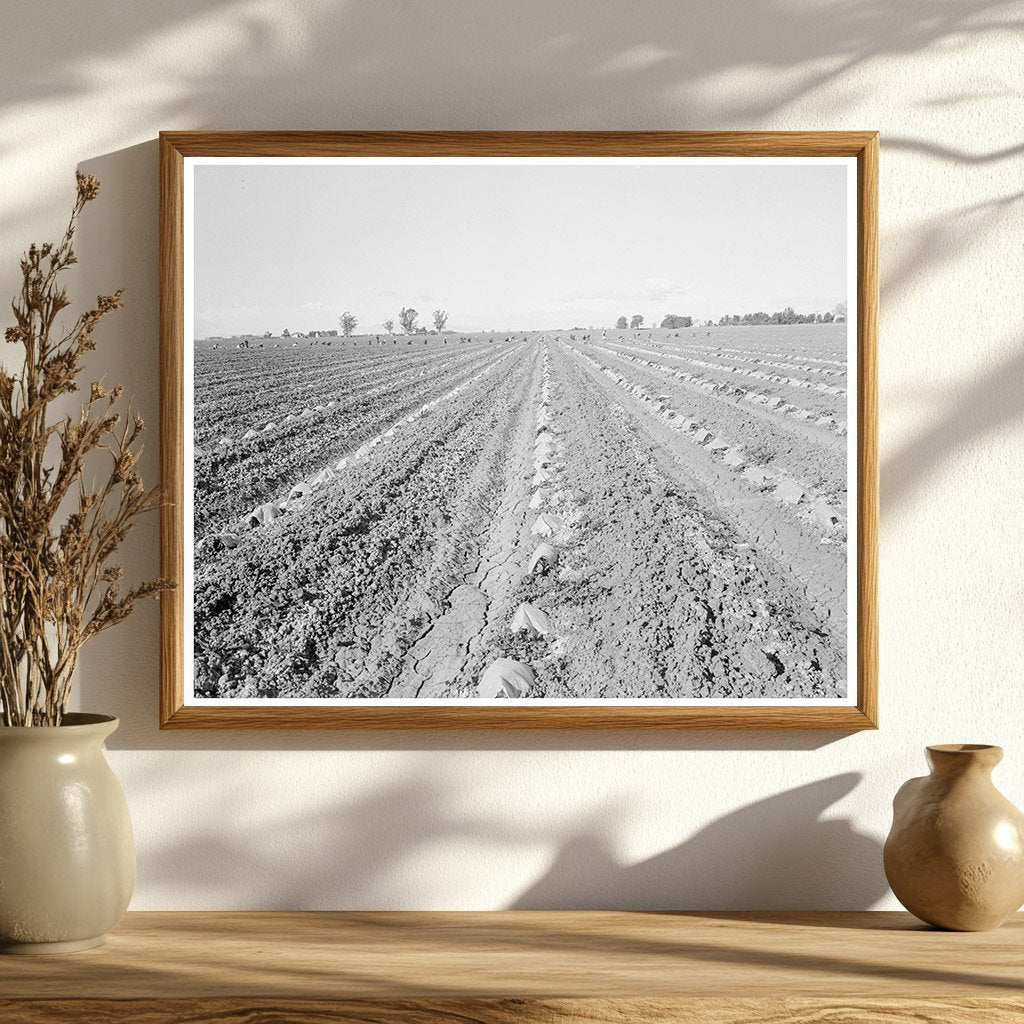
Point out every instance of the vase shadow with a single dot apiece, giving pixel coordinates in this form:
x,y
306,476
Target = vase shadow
x,y
776,854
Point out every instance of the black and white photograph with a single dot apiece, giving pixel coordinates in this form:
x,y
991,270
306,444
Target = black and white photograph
x,y
520,430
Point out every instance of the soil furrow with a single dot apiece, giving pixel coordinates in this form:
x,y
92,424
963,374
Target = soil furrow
x,y
658,595
326,603
447,659
231,483
814,565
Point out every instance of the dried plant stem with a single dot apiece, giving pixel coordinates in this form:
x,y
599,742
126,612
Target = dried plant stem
x,y
58,588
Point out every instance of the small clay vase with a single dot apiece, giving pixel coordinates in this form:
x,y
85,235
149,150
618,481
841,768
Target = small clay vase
x,y
67,858
955,854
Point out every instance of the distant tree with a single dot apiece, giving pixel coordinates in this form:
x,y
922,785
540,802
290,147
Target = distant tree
x,y
839,309
267,334
407,318
347,322
286,333
673,320
828,317
440,319
622,323
389,326
636,320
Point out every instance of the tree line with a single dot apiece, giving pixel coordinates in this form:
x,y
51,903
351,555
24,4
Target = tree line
x,y
408,321
785,316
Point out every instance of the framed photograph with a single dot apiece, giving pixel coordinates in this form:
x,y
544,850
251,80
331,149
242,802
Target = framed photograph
x,y
506,429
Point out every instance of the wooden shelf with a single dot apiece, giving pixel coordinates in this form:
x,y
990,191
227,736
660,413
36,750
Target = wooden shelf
x,y
510,968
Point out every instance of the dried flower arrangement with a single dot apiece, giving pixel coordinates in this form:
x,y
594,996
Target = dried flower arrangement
x,y
58,533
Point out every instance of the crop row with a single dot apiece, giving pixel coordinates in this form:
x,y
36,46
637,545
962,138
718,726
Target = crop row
x,y
510,676
549,633
329,599
267,392
840,364
761,375
658,595
793,359
805,366
765,398
233,478
763,401
766,423
780,483
298,496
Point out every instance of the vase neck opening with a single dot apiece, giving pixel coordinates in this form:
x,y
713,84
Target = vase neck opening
x,y
958,758
75,727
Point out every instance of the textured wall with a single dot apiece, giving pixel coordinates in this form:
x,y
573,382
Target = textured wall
x,y
463,821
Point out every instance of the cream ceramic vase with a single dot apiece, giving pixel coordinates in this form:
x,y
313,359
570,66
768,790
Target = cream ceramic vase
x,y
67,856
955,855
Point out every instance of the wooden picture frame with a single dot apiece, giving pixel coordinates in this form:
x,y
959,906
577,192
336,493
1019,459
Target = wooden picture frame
x,y
177,147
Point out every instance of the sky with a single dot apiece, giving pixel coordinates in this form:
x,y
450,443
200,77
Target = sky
x,y
500,246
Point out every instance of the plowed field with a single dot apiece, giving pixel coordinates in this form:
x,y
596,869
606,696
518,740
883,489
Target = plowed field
x,y
630,515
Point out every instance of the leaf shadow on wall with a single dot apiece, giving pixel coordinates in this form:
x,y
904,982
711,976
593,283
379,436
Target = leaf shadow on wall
x,y
940,242
372,64
992,402
968,412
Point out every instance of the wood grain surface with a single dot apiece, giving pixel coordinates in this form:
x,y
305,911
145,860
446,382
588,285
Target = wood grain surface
x,y
176,146
246,143
516,1011
172,435
524,966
